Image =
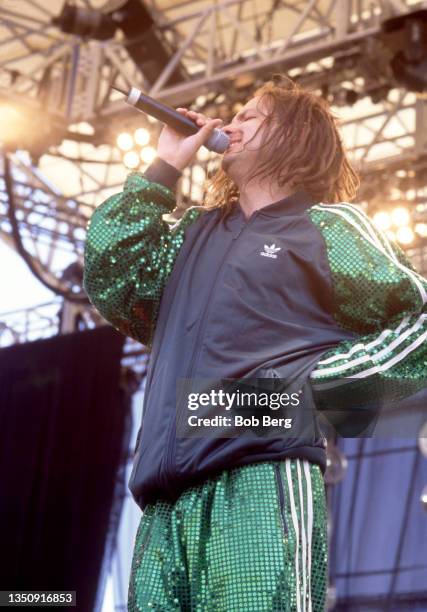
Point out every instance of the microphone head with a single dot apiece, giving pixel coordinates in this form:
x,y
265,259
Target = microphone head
x,y
218,141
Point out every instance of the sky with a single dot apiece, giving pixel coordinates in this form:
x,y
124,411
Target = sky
x,y
20,289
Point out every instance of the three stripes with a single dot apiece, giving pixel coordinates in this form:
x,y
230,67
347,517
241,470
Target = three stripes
x,y
362,224
298,493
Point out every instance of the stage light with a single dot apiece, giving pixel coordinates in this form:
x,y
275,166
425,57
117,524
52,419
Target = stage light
x,y
382,220
346,97
124,141
85,22
131,160
423,498
400,216
19,132
142,137
421,229
13,124
405,235
409,64
378,94
150,51
148,154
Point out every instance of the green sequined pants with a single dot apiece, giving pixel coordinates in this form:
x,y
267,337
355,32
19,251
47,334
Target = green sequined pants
x,y
252,539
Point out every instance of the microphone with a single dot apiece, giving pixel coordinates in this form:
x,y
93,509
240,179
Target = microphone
x,y
217,142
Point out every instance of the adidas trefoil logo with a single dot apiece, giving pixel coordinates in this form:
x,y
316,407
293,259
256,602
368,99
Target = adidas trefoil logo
x,y
270,251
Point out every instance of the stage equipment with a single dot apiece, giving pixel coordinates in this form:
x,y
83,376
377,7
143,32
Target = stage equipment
x,y
409,64
150,51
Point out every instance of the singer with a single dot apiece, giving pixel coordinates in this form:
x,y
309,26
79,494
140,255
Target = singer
x,y
274,275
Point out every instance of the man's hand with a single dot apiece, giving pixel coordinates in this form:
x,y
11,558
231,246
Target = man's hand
x,y
178,150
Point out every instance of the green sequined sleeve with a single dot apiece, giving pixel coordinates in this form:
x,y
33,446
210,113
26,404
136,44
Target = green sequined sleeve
x,y
379,296
129,254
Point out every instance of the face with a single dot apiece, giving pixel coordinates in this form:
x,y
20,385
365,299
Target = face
x,y
245,133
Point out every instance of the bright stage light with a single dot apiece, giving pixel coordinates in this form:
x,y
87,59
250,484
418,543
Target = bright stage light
x,y
400,216
405,234
12,124
391,235
148,154
382,220
421,229
131,160
142,137
124,141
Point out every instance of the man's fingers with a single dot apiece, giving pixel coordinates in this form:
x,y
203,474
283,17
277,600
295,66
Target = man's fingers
x,y
204,133
198,118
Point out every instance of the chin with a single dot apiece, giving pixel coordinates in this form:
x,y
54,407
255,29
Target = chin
x,y
227,161
224,164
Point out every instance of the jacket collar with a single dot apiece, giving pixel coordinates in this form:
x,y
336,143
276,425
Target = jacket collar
x,y
294,204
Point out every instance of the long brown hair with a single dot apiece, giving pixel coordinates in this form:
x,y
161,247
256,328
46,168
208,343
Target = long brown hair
x,y
306,150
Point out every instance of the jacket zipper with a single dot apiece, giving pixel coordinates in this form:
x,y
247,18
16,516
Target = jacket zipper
x,y
280,488
154,359
171,439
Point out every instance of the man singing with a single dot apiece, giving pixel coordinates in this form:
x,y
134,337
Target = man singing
x,y
274,276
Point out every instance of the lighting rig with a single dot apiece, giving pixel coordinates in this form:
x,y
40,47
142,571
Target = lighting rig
x,y
150,51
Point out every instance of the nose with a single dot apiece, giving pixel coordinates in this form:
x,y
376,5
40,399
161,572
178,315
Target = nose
x,y
229,129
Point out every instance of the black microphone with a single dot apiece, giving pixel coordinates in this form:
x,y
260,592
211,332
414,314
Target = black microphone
x,y
217,142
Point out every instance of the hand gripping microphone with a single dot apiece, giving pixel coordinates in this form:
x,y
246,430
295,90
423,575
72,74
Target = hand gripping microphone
x,y
217,142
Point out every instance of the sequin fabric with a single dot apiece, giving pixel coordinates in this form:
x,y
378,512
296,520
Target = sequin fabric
x,y
252,539
379,296
129,255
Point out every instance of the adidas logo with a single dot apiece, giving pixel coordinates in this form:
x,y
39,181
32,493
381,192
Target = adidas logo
x,y
270,251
